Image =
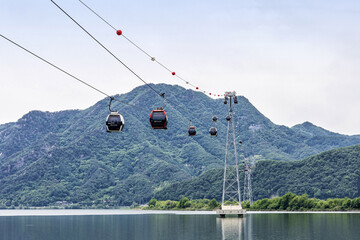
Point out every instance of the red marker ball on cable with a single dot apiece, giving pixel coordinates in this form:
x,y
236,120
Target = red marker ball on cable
x,y
209,93
119,32
197,87
173,73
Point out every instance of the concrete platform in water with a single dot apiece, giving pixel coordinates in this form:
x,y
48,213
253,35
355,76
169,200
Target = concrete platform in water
x,y
231,210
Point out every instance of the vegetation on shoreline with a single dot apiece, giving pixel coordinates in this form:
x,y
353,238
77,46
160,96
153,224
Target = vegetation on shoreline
x,y
288,202
293,202
183,204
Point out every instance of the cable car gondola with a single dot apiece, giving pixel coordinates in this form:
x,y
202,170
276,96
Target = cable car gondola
x,y
158,119
214,118
235,100
114,122
192,131
228,118
213,131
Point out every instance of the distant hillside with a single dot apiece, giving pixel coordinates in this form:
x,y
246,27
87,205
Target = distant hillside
x,y
331,174
67,155
310,130
320,138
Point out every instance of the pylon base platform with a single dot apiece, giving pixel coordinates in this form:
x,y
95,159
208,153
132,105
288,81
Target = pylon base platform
x,y
229,211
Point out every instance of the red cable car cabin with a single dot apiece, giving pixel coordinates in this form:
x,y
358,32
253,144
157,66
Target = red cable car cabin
x,y
192,131
158,119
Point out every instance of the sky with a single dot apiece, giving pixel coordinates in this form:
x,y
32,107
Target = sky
x,y
295,60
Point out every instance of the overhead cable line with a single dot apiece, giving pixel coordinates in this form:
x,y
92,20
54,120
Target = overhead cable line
x,y
67,73
113,55
106,49
120,33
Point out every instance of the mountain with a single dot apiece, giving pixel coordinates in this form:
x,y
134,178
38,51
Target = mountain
x,y
310,130
320,138
47,157
331,174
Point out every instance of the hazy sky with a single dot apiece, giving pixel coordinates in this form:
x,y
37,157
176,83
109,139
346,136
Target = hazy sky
x,y
295,60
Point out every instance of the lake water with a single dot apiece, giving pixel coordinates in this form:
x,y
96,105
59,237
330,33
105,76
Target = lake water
x,y
120,224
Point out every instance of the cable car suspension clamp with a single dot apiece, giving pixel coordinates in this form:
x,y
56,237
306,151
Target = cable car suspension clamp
x,y
163,95
111,99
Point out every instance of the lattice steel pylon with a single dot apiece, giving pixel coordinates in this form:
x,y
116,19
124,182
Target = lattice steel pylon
x,y
248,165
231,183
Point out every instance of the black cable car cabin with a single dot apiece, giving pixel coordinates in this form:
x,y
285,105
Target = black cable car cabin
x,y
114,122
192,131
213,131
158,119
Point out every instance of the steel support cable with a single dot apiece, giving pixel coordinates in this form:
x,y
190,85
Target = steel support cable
x,y
78,79
98,15
145,52
67,73
113,55
106,48
114,28
82,81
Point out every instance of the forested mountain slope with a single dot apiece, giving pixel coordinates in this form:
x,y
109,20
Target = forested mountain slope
x,y
331,174
67,155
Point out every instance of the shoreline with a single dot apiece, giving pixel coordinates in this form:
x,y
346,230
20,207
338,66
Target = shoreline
x,y
94,212
99,212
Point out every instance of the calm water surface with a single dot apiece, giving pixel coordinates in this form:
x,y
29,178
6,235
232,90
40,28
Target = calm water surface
x,y
135,225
